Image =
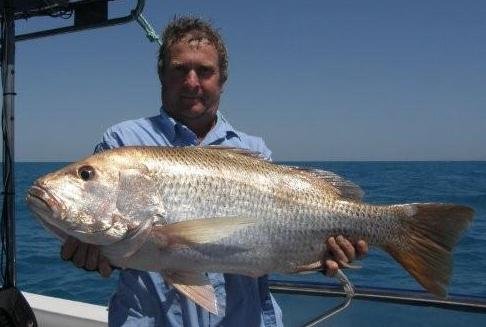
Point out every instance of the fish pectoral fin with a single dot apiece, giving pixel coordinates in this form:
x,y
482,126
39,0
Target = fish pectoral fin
x,y
201,231
195,286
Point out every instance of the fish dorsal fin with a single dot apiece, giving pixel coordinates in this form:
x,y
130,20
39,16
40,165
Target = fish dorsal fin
x,y
195,286
239,151
338,184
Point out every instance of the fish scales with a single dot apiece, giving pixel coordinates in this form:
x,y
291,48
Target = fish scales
x,y
280,201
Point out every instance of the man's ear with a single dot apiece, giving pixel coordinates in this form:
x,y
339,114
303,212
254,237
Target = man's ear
x,y
162,90
222,87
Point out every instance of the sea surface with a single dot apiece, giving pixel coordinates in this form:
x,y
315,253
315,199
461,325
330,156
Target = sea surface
x,y
41,270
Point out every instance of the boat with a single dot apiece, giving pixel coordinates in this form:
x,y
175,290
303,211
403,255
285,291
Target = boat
x,y
305,303
309,304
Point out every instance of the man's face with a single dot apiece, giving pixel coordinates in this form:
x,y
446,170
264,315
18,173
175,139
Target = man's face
x,y
191,81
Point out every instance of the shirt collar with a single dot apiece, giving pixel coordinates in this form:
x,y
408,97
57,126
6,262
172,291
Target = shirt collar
x,y
176,131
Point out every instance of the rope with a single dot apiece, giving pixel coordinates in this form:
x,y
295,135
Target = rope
x,y
149,31
348,289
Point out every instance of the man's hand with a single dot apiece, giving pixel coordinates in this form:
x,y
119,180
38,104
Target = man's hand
x,y
340,253
85,256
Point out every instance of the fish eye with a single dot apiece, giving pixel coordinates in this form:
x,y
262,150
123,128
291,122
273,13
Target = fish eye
x,y
86,173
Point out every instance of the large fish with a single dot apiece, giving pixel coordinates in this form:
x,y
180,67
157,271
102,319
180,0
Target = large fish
x,y
186,211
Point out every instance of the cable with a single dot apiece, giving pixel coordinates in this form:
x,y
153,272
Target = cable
x,y
149,30
3,228
348,289
6,261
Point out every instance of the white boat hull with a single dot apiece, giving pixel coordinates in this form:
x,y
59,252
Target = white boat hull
x,y
56,312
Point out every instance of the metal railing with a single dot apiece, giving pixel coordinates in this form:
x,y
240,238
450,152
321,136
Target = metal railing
x,y
455,302
133,15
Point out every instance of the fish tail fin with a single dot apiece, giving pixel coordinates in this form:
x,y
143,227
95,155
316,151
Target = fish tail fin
x,y
429,233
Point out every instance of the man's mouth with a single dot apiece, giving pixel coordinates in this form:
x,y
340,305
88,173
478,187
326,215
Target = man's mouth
x,y
191,96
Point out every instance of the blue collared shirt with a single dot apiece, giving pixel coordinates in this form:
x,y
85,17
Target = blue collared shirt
x,y
143,298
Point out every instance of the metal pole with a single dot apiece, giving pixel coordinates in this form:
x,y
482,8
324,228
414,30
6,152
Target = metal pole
x,y
68,29
8,74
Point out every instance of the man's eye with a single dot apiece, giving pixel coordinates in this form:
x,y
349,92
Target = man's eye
x,y
205,71
179,69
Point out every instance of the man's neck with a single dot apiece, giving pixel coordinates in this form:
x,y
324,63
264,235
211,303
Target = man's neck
x,y
201,129
200,126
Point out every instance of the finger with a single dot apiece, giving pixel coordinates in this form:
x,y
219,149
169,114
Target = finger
x,y
335,250
332,267
69,248
104,267
79,258
92,258
361,248
346,247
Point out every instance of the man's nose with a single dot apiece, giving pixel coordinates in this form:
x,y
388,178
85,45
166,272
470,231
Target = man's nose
x,y
192,80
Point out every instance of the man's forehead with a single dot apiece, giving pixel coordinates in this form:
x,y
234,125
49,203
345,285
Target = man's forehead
x,y
201,45
196,42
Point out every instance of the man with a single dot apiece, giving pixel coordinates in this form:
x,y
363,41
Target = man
x,y
192,69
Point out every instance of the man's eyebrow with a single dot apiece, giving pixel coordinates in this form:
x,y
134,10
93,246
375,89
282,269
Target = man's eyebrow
x,y
182,63
208,65
176,63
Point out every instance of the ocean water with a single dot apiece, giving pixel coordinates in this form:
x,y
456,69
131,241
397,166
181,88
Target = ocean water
x,y
41,270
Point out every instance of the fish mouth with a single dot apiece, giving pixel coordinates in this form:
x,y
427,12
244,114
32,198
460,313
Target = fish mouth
x,y
41,200
46,208
52,214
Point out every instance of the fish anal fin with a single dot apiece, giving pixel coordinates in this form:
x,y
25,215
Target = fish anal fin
x,y
196,287
317,266
200,231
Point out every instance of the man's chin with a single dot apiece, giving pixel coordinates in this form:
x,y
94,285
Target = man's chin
x,y
192,111
184,113
191,102
188,114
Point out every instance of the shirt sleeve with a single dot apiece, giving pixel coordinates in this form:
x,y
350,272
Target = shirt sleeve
x,y
256,144
110,140
133,304
264,150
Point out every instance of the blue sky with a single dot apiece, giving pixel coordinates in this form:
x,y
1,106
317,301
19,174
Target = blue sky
x,y
318,80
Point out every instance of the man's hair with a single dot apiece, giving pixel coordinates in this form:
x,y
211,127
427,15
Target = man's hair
x,y
198,29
